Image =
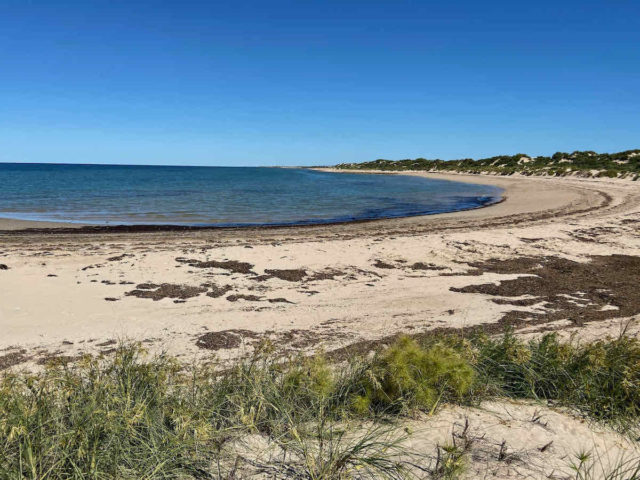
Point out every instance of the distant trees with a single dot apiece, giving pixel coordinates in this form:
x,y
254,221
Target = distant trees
x,y
560,163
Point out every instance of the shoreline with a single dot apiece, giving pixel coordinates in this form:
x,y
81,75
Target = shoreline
x,y
21,226
513,195
17,226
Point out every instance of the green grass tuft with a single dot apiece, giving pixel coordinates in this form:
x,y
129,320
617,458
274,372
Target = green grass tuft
x,y
599,379
407,376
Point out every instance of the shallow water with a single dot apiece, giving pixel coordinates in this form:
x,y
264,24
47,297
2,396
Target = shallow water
x,y
222,196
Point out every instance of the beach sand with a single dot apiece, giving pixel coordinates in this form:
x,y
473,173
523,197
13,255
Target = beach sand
x,y
558,254
329,286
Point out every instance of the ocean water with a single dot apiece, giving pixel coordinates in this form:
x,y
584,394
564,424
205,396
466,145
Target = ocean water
x,y
222,196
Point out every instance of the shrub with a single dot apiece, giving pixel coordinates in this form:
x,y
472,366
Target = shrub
x,y
309,379
408,376
608,173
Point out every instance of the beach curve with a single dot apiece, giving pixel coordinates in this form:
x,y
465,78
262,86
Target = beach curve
x,y
552,199
325,285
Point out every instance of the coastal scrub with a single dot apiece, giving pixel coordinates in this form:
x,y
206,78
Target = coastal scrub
x,y
131,415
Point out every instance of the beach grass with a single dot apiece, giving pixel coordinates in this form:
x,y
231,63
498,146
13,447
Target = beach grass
x,y
592,466
133,415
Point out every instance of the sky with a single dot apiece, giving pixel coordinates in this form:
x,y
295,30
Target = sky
x,y
315,82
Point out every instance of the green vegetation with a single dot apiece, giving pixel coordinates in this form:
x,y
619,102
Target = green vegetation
x,y
587,163
600,380
407,376
130,416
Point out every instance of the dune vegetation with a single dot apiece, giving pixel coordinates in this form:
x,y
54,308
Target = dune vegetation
x,y
133,415
583,163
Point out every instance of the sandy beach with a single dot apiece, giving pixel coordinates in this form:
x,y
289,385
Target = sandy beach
x,y
320,241
558,254
66,292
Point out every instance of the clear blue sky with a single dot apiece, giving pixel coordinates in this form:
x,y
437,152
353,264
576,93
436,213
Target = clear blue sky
x,y
314,82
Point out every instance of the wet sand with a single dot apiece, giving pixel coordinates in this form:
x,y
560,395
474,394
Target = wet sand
x,y
344,286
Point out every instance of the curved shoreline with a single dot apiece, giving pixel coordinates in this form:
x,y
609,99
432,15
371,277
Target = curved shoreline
x,y
555,197
25,225
42,226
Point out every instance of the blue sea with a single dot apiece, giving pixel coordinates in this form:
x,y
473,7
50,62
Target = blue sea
x,y
222,196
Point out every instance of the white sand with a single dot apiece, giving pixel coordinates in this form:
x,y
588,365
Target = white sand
x,y
44,313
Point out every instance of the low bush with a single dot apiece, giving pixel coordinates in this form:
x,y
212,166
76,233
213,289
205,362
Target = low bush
x,y
407,376
608,174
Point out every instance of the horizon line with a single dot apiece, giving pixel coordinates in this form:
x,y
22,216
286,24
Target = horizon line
x,y
152,165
